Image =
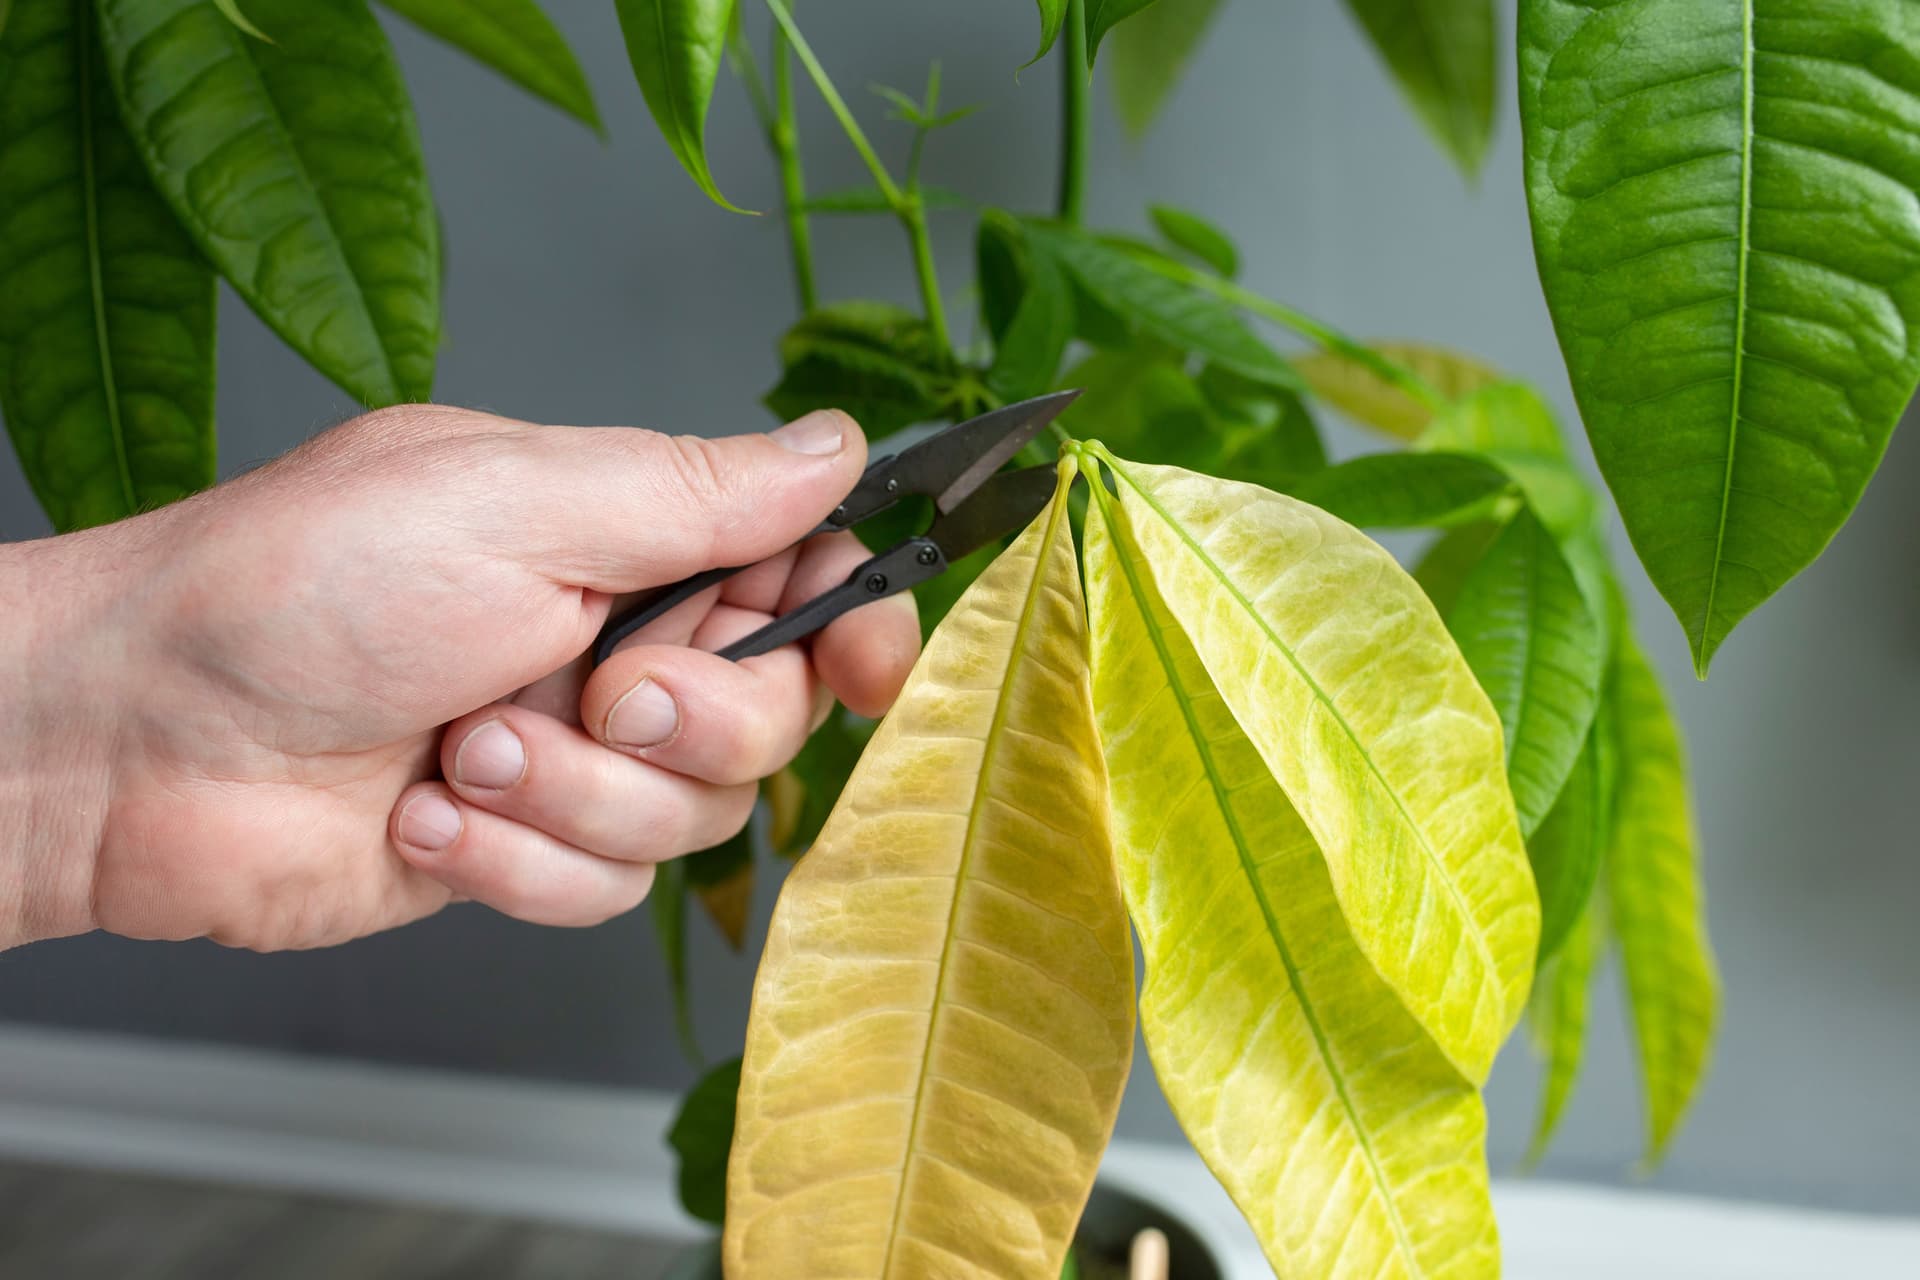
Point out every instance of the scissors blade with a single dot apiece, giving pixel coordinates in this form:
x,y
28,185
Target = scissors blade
x,y
950,464
1005,504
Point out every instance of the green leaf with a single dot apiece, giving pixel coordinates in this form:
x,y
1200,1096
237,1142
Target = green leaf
x,y
296,167
515,38
870,199
1441,53
723,878
1147,56
1407,490
1145,406
1348,685
1290,1064
1053,15
1027,358
873,360
1451,557
1002,262
701,1136
821,769
668,903
1653,894
1720,194
1562,992
106,308
1198,237
1174,312
1104,15
1570,844
231,10
1371,400
1511,426
943,1018
1539,651
1271,437
676,48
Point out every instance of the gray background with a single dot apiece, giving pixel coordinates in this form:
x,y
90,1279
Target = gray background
x,y
591,283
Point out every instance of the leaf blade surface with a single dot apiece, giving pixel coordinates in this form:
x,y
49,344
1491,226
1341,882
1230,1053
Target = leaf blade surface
x,y
515,38
676,48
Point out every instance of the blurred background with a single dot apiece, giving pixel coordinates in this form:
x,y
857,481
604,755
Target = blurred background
x,y
591,283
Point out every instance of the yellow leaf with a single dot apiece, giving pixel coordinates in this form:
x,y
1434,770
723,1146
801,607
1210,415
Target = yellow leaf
x,y
1372,401
786,797
728,904
943,1018
1653,898
1345,680
1348,1140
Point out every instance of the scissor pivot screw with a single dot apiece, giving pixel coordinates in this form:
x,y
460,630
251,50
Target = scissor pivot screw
x,y
927,555
876,583
893,486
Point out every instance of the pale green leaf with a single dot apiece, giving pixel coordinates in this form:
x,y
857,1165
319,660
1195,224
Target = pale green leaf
x,y
1568,848
1441,53
1653,895
296,167
231,9
943,1018
1199,238
1104,15
1346,682
1451,557
1053,15
1511,426
515,38
1360,393
1353,1147
1539,651
1147,57
667,901
106,307
1562,995
1723,203
676,48
1407,490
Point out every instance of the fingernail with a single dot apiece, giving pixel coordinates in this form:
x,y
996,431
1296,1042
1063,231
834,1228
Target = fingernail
x,y
491,757
819,433
429,821
646,717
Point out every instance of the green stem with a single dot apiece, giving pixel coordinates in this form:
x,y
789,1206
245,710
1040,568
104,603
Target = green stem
x,y
913,216
1075,119
793,187
837,104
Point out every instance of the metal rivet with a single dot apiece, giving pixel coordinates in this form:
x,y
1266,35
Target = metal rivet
x,y
876,583
893,486
927,555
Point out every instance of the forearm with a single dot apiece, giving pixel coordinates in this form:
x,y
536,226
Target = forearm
x,y
60,670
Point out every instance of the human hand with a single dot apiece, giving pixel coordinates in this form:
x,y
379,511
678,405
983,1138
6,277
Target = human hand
x,y
343,690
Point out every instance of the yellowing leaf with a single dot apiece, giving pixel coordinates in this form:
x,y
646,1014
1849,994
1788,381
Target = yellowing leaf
x,y
1653,893
1349,687
1559,1019
943,1018
1372,401
1348,1140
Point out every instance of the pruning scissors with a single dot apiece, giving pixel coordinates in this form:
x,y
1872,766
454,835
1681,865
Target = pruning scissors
x,y
974,504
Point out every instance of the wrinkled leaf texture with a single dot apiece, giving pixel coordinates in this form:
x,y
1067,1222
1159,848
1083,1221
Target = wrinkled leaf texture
x,y
943,1018
1351,1144
106,307
1725,219
1344,679
296,167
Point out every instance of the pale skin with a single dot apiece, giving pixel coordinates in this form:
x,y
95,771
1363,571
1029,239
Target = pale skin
x,y
344,690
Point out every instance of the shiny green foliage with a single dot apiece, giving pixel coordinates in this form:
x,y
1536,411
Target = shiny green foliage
x,y
515,38
676,48
1441,54
295,165
1408,490
106,307
1723,206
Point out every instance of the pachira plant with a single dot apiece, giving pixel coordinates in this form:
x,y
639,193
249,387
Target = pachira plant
x,y
1359,819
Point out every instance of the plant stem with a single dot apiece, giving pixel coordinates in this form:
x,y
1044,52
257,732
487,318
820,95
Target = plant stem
x,y
913,216
1075,119
837,104
785,136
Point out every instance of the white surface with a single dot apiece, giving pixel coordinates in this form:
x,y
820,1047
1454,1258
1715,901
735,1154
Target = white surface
x,y
596,1157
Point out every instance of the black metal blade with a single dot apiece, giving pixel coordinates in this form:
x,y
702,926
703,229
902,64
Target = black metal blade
x,y
1005,504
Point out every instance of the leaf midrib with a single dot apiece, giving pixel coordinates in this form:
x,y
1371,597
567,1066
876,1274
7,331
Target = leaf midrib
x,y
1245,856
990,747
1704,650
1420,836
90,197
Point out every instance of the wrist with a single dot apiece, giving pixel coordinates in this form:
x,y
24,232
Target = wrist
x,y
60,673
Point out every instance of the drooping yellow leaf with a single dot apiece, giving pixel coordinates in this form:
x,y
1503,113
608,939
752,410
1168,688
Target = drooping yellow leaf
x,y
1372,401
943,1018
1653,895
1345,680
1351,1144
